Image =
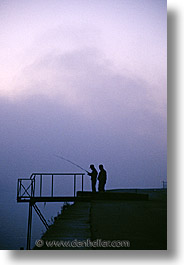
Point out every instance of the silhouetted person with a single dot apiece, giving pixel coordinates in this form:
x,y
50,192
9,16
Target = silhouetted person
x,y
102,177
93,175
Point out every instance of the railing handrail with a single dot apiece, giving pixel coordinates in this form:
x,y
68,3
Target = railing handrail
x,y
56,174
30,189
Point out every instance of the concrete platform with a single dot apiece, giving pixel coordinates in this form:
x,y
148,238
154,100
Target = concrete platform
x,y
140,221
72,224
113,196
87,196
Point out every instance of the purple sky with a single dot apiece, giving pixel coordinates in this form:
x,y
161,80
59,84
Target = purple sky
x,y
85,79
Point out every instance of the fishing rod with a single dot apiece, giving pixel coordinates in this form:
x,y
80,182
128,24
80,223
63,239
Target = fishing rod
x,y
63,158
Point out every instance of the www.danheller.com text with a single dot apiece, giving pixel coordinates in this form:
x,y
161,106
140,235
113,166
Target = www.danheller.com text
x,y
98,243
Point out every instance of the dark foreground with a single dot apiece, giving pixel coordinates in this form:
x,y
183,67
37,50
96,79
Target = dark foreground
x,y
111,224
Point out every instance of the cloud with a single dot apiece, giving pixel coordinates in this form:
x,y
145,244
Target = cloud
x,y
77,102
86,81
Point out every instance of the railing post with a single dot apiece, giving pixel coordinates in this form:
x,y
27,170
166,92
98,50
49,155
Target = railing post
x,y
31,188
34,186
74,184
18,188
52,188
40,185
20,183
29,226
82,182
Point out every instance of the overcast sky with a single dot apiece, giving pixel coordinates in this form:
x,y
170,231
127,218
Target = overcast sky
x,y
85,79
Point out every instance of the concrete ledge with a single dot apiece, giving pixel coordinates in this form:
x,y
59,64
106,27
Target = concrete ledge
x,y
112,196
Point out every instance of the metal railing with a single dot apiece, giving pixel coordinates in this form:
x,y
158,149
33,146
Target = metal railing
x,y
26,188
164,184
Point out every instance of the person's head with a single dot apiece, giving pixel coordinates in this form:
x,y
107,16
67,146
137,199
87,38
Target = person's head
x,y
100,167
92,167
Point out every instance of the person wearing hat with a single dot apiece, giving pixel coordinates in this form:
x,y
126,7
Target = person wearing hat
x,y
93,175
